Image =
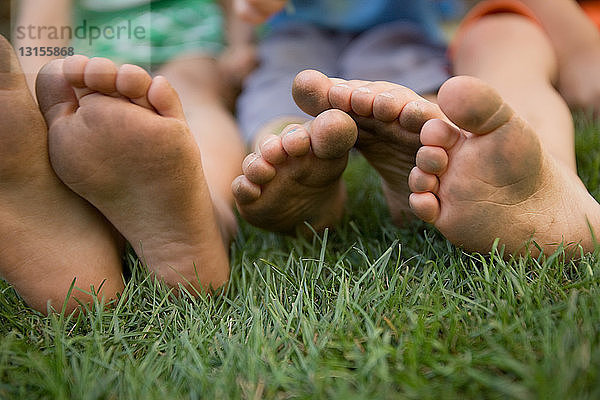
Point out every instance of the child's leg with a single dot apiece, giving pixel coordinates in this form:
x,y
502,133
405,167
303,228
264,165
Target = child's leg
x,y
50,236
576,41
389,118
494,179
512,176
119,139
197,83
511,52
386,52
298,179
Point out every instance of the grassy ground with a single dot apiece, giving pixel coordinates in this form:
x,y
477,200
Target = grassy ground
x,y
368,311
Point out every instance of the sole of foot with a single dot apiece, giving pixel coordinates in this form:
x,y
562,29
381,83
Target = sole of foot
x,y
118,138
50,235
493,179
389,118
296,177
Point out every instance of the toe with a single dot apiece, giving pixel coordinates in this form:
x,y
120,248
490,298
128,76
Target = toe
x,y
257,170
388,104
473,105
436,132
432,159
55,95
340,95
295,140
271,149
74,71
73,68
309,91
164,98
362,98
415,113
101,76
361,101
332,134
244,191
421,182
425,206
133,82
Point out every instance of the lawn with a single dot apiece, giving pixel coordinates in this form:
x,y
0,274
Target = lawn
x,y
367,311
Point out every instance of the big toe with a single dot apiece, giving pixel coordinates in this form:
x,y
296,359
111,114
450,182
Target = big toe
x,y
473,105
332,134
55,95
310,91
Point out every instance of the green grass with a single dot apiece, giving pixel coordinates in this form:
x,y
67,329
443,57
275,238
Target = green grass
x,y
368,311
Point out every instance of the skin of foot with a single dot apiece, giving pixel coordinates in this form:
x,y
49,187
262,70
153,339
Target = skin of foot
x,y
389,118
492,178
295,177
118,138
50,235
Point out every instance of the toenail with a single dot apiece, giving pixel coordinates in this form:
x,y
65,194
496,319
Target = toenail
x,y
269,141
386,95
364,90
252,160
342,85
288,133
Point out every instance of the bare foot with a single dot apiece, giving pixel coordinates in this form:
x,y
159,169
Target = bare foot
x,y
493,179
296,176
50,236
389,118
118,138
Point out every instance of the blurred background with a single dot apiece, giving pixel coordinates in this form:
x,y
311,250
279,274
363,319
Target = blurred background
x,y
5,18
5,14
